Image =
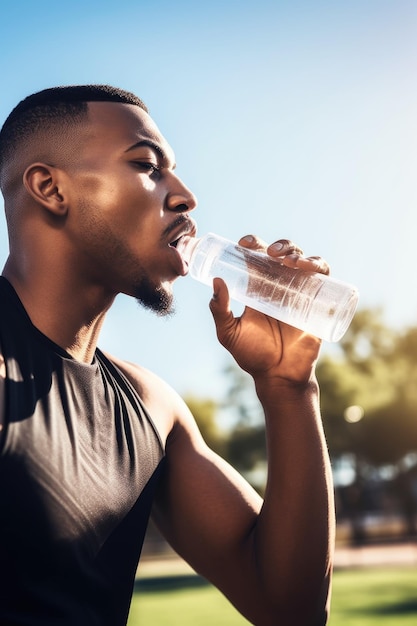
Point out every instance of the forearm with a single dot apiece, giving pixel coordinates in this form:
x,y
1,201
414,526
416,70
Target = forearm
x,y
294,535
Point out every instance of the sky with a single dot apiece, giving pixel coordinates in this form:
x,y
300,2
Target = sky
x,y
289,119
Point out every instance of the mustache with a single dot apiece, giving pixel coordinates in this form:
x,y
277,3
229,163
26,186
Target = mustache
x,y
180,221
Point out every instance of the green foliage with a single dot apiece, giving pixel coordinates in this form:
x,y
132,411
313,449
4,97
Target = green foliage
x,y
361,597
205,413
375,368
367,338
377,371
246,447
241,398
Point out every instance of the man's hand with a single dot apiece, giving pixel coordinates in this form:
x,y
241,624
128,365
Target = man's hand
x,y
261,345
273,557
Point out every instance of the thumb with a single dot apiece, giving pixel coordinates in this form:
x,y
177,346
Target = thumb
x,y
220,309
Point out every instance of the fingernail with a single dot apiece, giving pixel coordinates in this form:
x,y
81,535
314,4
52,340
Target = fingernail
x,y
215,290
276,247
249,238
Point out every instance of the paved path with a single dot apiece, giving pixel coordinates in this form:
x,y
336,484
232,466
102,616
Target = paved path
x,y
346,556
379,554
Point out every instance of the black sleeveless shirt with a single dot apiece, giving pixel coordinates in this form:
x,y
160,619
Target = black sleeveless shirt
x,y
79,461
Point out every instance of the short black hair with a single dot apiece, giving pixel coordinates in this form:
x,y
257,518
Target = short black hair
x,y
65,105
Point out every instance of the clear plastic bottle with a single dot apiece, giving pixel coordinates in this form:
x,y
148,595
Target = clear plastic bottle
x,y
315,303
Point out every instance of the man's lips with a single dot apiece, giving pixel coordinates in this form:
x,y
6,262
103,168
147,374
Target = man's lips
x,y
186,229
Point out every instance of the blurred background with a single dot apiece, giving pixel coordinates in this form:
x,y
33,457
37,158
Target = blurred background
x,y
290,119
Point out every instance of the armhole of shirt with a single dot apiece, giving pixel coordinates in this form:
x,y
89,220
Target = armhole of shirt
x,y
2,394
132,393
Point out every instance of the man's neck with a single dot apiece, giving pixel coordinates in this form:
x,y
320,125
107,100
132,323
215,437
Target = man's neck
x,y
70,317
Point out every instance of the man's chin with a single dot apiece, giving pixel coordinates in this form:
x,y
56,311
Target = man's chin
x,y
158,300
160,311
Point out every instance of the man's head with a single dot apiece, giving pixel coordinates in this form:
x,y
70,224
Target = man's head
x,y
89,183
55,112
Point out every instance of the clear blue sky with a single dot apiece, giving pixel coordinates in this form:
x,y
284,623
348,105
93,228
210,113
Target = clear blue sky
x,y
288,118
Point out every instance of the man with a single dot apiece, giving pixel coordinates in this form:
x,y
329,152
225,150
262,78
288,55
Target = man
x,y
90,443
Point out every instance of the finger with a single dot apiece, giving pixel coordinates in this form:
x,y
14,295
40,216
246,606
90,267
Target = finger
x,y
223,317
310,264
283,247
321,266
253,242
220,307
288,253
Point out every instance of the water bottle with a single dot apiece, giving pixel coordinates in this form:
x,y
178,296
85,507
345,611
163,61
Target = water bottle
x,y
312,302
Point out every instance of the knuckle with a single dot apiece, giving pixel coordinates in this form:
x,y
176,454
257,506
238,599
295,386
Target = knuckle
x,y
320,264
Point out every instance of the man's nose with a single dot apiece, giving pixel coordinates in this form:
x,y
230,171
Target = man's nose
x,y
181,199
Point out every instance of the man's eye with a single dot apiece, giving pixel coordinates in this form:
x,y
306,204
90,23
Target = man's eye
x,y
146,166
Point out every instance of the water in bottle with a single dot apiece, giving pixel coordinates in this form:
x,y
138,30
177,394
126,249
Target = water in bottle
x,y
312,302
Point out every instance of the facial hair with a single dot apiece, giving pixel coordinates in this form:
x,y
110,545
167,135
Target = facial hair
x,y
154,298
151,296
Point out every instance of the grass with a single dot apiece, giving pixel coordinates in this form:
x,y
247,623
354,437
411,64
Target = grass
x,y
367,597
361,597
185,601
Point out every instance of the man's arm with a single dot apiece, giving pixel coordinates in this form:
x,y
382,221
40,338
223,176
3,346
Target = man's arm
x,y
272,559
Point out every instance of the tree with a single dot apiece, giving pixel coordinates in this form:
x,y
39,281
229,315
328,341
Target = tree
x,y
205,412
366,373
373,367
391,430
376,368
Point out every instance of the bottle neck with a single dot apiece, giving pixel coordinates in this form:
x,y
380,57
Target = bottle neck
x,y
186,247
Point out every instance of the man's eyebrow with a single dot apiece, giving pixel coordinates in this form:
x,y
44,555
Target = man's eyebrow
x,y
150,144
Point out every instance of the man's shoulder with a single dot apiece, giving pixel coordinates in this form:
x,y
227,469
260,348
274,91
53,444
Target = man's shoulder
x,y
142,379
163,403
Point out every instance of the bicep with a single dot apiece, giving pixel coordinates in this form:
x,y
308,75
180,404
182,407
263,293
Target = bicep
x,y
205,508
203,504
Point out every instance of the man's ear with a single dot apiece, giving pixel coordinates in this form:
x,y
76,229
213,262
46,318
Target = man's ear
x,y
44,183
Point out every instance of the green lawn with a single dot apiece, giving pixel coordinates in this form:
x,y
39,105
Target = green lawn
x,y
361,597
185,605
367,597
